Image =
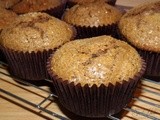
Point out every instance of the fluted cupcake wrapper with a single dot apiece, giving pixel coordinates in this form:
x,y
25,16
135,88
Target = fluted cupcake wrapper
x,y
94,101
71,4
29,66
57,11
153,64
86,32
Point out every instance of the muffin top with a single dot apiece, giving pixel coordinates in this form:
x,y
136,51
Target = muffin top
x,y
36,32
97,60
92,14
141,26
26,6
8,3
6,17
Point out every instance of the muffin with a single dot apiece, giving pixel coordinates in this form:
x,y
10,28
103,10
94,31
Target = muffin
x,y
141,28
52,7
71,3
93,19
29,40
8,3
95,77
6,17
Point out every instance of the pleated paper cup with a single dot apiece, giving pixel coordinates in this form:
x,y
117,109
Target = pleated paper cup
x,y
28,66
153,64
71,3
88,31
95,101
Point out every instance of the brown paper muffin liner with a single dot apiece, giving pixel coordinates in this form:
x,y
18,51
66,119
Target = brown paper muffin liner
x,y
71,3
29,66
94,101
152,60
87,32
57,11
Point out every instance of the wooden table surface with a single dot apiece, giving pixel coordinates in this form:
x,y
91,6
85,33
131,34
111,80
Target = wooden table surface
x,y
13,109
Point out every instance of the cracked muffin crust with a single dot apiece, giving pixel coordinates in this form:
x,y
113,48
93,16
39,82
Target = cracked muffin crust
x,y
97,60
36,32
141,26
92,14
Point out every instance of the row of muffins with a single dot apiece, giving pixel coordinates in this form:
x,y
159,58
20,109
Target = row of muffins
x,y
134,25
53,7
85,16
82,60
56,8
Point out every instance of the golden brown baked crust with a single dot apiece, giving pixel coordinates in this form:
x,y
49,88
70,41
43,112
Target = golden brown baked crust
x,y
141,26
8,3
97,60
92,14
6,17
36,32
26,6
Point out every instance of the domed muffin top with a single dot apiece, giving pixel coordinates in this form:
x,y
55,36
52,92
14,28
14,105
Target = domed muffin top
x,y
141,26
36,32
92,14
97,60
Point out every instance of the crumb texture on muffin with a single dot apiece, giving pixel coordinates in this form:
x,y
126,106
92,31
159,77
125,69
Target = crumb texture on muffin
x,y
36,32
6,17
141,26
8,3
97,60
92,14
26,6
